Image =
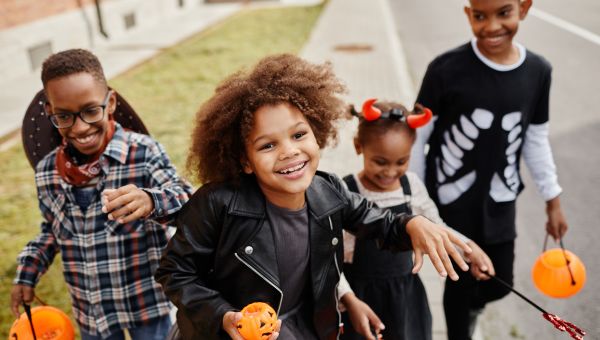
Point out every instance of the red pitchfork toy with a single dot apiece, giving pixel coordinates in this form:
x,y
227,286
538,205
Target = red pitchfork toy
x,y
558,323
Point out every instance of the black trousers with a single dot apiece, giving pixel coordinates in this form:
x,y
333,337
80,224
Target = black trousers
x,y
469,294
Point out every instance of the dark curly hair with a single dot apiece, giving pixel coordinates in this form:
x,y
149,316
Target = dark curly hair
x,y
225,120
368,129
70,62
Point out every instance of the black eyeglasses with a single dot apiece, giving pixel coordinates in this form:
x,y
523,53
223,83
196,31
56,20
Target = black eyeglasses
x,y
89,115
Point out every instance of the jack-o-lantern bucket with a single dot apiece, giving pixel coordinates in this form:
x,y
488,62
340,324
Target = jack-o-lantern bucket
x,y
48,322
258,321
558,273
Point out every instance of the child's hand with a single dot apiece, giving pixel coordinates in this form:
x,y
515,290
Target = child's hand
x,y
480,262
437,242
362,317
126,204
20,294
557,224
230,321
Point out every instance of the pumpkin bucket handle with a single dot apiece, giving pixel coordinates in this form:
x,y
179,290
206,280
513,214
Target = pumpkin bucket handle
x,y
28,312
27,308
567,261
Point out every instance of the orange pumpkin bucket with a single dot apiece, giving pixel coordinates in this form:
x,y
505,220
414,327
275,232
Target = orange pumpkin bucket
x,y
258,321
558,273
48,322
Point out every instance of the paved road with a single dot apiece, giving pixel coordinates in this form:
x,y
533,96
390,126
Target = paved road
x,y
568,35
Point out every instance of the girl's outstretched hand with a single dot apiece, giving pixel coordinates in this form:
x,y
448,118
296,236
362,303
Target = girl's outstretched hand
x,y
436,241
480,262
362,317
230,321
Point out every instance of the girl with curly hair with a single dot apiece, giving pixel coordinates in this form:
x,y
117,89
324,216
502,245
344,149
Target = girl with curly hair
x,y
266,225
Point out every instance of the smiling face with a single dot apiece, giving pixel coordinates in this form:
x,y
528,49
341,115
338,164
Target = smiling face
x,y
385,159
495,23
75,93
282,152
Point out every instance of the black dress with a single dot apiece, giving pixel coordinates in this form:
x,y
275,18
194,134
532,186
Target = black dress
x,y
384,281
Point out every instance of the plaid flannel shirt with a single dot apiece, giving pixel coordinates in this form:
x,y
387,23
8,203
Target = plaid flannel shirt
x,y
108,267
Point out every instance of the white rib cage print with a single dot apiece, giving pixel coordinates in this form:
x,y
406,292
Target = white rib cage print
x,y
460,139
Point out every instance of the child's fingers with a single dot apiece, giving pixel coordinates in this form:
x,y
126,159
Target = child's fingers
x,y
365,330
489,266
275,334
230,320
445,258
436,261
108,192
128,212
418,262
278,326
135,214
112,196
116,202
455,254
376,323
460,243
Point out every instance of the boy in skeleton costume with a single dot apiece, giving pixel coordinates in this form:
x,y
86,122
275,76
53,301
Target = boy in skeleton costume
x,y
490,101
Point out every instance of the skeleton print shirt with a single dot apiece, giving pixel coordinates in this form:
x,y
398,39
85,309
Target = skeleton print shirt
x,y
486,116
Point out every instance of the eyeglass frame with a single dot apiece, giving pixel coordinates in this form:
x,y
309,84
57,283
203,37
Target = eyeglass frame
x,y
78,113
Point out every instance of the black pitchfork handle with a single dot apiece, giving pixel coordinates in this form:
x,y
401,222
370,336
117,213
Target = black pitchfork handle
x,y
499,280
28,312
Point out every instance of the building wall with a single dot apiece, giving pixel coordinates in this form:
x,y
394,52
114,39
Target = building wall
x,y
19,12
26,45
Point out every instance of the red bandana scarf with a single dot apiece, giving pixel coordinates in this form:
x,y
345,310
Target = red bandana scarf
x,y
80,175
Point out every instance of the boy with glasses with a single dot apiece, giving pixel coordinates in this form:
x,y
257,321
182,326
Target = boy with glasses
x,y
105,195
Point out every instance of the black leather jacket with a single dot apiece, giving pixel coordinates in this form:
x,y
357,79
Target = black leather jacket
x,y
223,258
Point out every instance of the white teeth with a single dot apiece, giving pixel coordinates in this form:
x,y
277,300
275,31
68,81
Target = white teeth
x,y
85,139
296,168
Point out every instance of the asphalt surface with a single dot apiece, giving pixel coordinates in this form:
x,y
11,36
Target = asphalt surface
x,y
568,35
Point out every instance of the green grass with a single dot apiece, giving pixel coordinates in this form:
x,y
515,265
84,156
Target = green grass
x,y
166,91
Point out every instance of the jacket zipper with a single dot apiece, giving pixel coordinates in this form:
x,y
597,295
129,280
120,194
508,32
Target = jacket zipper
x,y
264,278
337,303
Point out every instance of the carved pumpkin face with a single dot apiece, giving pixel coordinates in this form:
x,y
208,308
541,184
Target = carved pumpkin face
x,y
49,323
258,321
551,274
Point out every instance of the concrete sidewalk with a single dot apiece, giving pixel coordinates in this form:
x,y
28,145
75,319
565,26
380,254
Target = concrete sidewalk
x,y
359,38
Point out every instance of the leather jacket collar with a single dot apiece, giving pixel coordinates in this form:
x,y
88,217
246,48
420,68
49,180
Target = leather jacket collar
x,y
322,198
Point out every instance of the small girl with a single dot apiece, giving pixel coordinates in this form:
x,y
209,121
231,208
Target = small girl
x,y
383,279
266,225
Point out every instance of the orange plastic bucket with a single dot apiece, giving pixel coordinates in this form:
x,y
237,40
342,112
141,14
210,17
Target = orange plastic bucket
x,y
258,321
49,323
557,276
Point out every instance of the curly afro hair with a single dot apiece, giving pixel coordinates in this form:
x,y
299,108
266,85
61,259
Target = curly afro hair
x,y
225,120
70,62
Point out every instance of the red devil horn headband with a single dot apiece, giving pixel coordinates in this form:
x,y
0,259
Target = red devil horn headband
x,y
421,119
369,112
414,121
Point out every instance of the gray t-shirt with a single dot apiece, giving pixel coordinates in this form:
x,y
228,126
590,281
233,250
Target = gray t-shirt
x,y
292,246
290,229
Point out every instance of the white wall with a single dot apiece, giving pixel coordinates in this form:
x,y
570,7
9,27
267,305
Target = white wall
x,y
79,29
